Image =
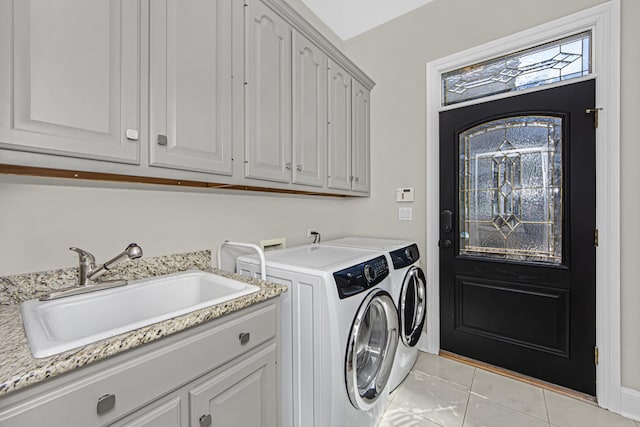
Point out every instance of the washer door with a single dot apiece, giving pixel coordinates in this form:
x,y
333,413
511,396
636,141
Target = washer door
x,y
371,349
412,306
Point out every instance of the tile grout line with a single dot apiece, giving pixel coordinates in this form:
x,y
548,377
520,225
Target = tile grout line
x,y
466,408
546,407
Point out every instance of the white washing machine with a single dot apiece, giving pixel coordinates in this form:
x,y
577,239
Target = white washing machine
x,y
409,293
339,333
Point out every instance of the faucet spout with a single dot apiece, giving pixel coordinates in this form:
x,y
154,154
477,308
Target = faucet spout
x,y
132,251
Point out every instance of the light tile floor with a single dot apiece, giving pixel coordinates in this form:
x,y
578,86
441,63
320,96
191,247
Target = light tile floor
x,y
441,392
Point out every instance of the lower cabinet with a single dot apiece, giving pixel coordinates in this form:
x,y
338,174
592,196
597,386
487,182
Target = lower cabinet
x,y
238,395
241,395
222,373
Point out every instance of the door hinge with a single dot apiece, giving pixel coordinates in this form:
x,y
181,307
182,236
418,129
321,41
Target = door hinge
x,y
595,115
596,356
595,237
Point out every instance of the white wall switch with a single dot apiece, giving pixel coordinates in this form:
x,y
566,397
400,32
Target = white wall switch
x,y
405,214
404,194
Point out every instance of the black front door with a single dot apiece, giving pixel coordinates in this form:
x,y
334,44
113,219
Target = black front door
x,y
517,221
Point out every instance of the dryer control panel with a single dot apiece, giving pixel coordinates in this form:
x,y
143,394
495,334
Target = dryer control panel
x,y
405,257
353,280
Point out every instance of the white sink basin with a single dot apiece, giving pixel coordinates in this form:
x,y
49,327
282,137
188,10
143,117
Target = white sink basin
x,y
60,325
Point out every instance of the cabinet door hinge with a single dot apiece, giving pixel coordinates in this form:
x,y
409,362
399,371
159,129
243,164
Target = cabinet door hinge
x,y
596,356
595,237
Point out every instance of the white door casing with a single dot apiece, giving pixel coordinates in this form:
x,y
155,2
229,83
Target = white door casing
x,y
604,21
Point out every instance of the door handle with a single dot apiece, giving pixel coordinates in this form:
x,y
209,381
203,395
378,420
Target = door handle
x,y
446,221
445,244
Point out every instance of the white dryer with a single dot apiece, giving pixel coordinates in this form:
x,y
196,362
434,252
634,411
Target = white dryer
x,y
339,333
409,293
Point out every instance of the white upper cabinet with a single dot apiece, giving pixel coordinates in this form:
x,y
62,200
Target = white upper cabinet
x,y
214,92
309,113
267,94
361,139
339,144
69,78
191,100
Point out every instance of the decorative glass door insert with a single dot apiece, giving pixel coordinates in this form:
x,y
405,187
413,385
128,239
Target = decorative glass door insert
x,y
510,189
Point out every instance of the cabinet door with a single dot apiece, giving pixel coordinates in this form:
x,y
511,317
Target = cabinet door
x,y
244,394
69,78
360,140
339,173
168,412
267,94
309,113
190,78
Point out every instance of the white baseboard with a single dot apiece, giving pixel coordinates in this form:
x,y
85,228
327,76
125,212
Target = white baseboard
x,y
630,403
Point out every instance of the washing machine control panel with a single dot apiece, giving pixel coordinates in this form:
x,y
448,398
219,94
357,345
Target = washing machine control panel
x,y
358,278
405,257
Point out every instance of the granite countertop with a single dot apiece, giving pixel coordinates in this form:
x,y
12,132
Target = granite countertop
x,y
19,369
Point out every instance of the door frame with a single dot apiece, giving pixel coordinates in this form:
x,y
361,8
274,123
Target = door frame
x,y
604,21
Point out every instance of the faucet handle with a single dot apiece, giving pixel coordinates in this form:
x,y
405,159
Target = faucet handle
x,y
86,258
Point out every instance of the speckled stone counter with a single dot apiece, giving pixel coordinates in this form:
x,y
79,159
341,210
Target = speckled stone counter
x,y
19,369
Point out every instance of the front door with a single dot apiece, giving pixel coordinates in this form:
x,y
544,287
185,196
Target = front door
x,y
517,221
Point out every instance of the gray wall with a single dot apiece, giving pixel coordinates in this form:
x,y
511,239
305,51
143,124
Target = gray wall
x,y
395,55
38,223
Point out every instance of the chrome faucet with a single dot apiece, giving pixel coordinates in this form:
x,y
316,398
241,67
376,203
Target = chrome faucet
x,y
90,272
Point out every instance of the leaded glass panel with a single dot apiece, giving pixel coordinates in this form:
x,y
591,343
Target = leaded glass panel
x,y
510,189
562,59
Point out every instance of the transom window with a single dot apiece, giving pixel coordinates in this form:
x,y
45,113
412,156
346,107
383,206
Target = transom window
x,y
563,59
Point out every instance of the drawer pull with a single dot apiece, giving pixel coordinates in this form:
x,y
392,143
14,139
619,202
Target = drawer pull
x,y
205,420
162,139
244,337
106,403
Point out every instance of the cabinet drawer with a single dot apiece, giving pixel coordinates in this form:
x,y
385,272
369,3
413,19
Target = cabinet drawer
x,y
155,370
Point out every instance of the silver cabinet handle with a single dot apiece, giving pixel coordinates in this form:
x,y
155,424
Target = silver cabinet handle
x,y
132,134
162,139
288,166
357,178
205,420
105,403
299,168
244,337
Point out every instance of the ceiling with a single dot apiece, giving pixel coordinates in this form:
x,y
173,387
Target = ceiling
x,y
348,18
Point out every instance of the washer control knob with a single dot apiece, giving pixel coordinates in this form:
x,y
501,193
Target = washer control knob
x,y
369,273
408,254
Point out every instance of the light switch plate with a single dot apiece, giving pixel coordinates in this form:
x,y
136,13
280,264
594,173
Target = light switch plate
x,y
405,194
405,214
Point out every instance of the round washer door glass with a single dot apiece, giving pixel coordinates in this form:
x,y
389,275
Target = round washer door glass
x,y
371,348
413,306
